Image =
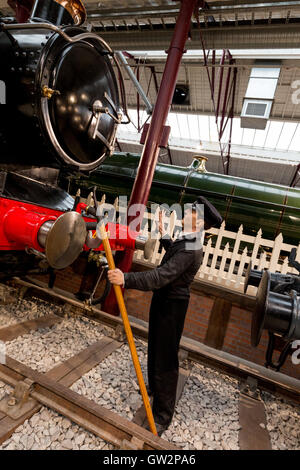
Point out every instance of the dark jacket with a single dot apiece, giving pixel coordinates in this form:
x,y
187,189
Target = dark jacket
x,y
176,272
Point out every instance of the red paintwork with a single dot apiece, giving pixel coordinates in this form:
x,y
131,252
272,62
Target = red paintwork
x,y
120,237
21,221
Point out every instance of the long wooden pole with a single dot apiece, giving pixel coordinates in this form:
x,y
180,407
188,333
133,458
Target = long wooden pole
x,y
127,328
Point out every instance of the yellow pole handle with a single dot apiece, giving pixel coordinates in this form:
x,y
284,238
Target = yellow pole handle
x,y
127,328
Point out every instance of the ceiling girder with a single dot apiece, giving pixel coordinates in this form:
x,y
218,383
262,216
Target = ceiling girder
x,y
247,36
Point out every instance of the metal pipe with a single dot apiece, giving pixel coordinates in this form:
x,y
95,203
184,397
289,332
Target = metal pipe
x,y
224,109
143,181
58,30
231,115
213,72
135,82
154,78
138,97
220,85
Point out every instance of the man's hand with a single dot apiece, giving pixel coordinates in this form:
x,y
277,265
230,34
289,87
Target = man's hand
x,y
161,223
116,277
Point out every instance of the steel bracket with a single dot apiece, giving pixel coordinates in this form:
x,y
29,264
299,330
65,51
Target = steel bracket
x,y
249,388
18,403
133,444
119,334
8,295
22,292
183,359
68,311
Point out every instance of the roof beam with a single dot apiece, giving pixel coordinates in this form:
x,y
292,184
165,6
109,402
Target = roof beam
x,y
168,11
279,35
209,112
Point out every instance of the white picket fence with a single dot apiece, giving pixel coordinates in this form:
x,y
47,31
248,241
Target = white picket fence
x,y
223,263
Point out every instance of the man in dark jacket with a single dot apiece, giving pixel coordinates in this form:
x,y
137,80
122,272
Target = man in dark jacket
x,y
170,283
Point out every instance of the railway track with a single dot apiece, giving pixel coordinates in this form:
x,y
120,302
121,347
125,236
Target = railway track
x,y
33,389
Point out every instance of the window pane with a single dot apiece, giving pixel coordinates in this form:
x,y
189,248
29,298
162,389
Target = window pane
x,y
261,88
286,135
274,131
265,72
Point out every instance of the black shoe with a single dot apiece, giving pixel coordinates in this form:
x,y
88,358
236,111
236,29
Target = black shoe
x,y
160,428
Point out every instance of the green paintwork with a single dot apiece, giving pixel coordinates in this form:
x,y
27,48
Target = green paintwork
x,y
274,208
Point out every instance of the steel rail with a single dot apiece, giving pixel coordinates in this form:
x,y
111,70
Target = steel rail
x,y
84,412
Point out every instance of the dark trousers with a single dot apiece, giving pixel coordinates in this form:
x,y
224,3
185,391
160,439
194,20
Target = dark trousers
x,y
166,321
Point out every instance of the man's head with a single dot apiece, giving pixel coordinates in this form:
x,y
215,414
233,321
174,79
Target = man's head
x,y
212,218
193,220
199,215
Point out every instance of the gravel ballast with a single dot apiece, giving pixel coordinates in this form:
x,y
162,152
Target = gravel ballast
x,y
47,430
46,347
206,416
23,310
283,422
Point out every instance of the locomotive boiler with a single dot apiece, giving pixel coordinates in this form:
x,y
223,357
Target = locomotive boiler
x,y
59,112
273,208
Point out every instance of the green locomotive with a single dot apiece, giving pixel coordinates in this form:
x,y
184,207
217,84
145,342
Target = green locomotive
x,y
271,207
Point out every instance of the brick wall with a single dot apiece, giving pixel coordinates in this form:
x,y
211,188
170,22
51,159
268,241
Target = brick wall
x,y
237,339
197,317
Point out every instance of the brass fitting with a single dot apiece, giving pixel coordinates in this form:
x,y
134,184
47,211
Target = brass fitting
x,y
48,92
201,163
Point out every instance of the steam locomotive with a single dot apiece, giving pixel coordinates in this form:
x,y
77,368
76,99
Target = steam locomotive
x,y
59,112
